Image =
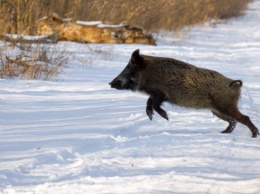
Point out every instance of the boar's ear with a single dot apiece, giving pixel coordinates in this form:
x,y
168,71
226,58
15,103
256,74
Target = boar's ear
x,y
137,59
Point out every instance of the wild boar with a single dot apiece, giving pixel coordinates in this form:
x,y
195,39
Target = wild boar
x,y
177,82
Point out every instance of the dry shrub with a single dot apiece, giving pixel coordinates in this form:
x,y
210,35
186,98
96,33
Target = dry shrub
x,y
41,62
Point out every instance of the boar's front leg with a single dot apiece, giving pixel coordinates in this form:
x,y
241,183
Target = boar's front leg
x,y
149,108
154,103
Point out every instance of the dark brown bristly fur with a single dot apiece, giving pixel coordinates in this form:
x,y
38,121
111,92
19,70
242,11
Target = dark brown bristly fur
x,y
183,84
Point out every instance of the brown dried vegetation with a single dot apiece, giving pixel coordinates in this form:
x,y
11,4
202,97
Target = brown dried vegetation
x,y
19,16
28,61
154,15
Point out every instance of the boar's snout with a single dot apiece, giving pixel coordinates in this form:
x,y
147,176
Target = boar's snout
x,y
120,83
117,84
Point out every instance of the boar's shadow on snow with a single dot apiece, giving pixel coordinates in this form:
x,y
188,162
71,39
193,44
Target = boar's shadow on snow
x,y
176,82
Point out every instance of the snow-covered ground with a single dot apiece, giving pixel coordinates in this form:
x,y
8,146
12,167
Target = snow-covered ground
x,y
77,135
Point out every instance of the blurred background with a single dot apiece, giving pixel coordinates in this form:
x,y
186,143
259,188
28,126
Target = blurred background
x,y
19,16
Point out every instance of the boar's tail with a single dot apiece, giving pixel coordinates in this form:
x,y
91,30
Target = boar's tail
x,y
236,84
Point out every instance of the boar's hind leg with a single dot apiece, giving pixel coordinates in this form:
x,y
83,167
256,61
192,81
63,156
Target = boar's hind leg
x,y
154,102
236,114
149,108
232,122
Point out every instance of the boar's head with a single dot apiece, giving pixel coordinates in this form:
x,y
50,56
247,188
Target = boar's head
x,y
128,79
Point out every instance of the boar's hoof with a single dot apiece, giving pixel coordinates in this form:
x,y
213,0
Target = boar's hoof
x,y
150,113
226,131
165,116
255,133
161,112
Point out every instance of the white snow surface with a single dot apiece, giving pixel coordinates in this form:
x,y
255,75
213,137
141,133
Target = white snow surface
x,y
99,24
77,135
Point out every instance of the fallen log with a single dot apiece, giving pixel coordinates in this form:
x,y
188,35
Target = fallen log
x,y
13,38
92,32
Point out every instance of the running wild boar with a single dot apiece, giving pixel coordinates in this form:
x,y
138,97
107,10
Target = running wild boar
x,y
183,84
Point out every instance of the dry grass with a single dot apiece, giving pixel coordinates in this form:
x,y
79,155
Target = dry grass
x,y
18,16
163,14
41,62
